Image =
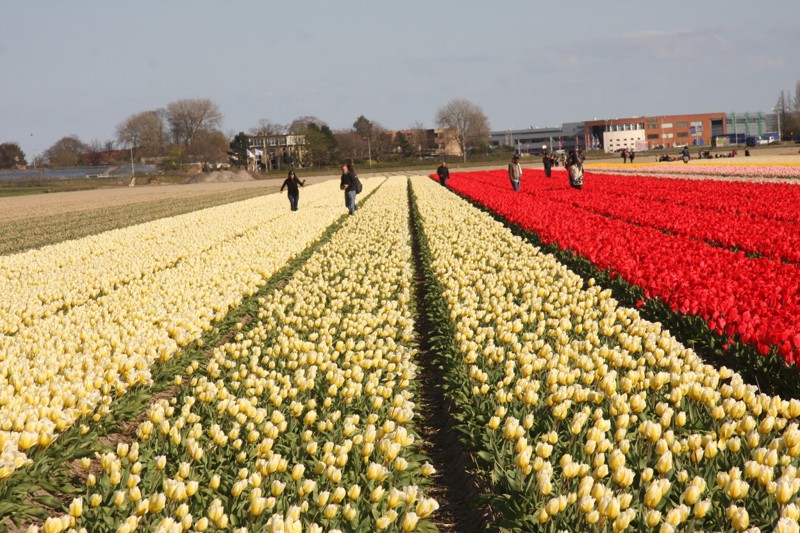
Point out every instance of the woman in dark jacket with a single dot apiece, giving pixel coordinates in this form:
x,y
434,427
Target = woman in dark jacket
x,y
291,184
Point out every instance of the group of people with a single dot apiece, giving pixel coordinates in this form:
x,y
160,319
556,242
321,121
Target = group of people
x,y
349,183
626,154
573,165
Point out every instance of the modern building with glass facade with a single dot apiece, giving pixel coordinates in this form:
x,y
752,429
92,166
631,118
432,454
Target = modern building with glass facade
x,y
532,140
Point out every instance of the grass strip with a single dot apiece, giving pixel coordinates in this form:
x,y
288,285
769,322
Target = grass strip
x,y
35,232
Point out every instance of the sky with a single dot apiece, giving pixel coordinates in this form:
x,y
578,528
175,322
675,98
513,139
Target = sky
x,y
81,67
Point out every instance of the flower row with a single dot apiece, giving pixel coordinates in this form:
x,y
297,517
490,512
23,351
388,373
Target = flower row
x,y
770,201
39,283
71,363
587,415
665,209
302,422
707,168
756,299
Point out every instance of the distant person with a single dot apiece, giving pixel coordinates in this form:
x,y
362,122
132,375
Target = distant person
x,y
292,184
548,164
515,172
685,154
574,168
444,173
348,184
631,155
624,155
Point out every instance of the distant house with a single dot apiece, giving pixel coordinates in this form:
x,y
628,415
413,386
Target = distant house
x,y
272,152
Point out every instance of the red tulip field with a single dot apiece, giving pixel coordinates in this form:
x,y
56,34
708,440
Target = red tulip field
x,y
726,251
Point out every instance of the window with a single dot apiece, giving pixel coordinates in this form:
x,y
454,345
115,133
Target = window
x,y
666,125
652,126
681,124
652,135
666,135
683,134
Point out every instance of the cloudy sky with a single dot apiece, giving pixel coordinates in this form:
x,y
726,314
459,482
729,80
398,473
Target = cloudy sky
x,y
81,67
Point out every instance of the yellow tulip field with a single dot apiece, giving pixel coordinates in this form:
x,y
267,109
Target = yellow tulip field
x,y
587,415
303,413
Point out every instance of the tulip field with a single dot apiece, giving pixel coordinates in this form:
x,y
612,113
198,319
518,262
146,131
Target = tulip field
x,y
297,400
726,251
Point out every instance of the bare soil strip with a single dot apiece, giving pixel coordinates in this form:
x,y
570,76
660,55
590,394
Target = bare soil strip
x,y
455,487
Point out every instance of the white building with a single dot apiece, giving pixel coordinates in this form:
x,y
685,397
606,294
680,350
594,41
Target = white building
x,y
627,136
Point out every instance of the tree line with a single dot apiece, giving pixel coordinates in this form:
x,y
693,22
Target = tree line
x,y
188,130
788,110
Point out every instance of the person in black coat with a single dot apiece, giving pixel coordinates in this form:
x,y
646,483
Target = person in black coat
x,y
548,164
444,173
348,185
292,184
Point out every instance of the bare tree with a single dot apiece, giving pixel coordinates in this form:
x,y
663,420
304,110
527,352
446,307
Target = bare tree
x,y
351,146
421,138
96,153
795,103
300,124
68,151
209,146
189,117
466,122
145,132
266,127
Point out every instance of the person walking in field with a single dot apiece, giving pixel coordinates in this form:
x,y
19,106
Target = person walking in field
x,y
515,172
548,164
349,184
293,184
444,173
631,154
624,155
574,168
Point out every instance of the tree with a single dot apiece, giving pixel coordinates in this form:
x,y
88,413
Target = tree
x,y
403,145
375,140
421,138
67,152
466,123
300,124
267,128
189,117
209,147
239,146
363,126
792,122
350,144
145,132
11,156
96,153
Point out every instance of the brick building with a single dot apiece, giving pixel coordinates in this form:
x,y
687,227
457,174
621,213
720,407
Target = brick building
x,y
654,132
